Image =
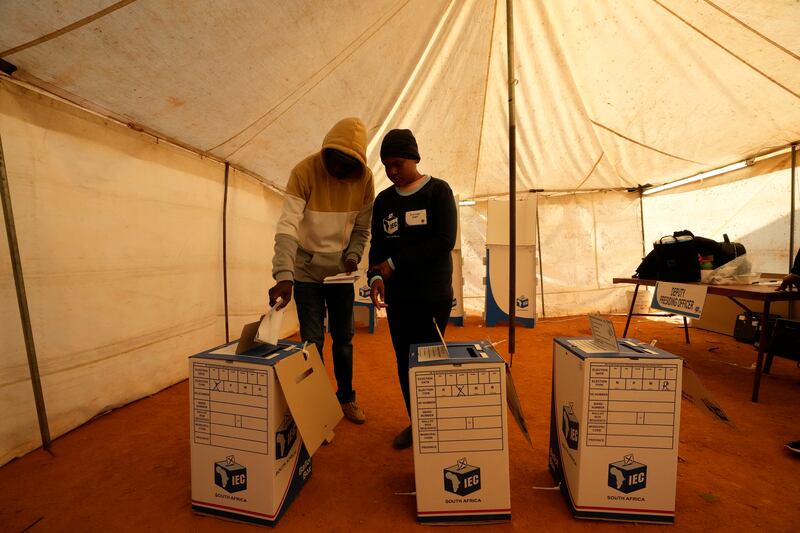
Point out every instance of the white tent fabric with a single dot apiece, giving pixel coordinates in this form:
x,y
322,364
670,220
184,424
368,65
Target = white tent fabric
x,y
121,244
120,232
610,94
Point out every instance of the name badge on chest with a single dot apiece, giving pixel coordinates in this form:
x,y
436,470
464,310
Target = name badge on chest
x,y
417,218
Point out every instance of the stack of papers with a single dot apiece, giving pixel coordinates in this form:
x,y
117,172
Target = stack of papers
x,y
342,277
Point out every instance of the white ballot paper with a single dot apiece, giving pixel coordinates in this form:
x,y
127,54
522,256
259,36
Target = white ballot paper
x,y
342,277
604,339
270,326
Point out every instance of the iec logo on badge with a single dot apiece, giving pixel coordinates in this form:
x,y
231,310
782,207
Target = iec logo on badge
x,y
391,224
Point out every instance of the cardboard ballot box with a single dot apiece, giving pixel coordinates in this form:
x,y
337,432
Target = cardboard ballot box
x,y
459,423
614,430
255,421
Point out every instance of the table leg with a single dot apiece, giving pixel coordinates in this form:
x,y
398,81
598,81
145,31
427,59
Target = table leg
x,y
761,343
686,330
630,311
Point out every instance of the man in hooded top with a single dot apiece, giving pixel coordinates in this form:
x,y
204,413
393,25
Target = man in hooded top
x,y
322,231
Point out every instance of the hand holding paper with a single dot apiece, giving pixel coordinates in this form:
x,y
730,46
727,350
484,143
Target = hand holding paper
x,y
270,327
350,266
281,291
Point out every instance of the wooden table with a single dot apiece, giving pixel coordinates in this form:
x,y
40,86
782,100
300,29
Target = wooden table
x,y
761,293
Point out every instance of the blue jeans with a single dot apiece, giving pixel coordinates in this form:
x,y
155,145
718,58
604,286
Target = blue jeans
x,y
312,299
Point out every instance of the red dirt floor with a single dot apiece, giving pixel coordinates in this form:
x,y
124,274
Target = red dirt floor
x,y
129,470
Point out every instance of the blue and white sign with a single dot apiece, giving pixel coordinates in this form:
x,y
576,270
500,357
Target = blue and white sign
x,y
680,298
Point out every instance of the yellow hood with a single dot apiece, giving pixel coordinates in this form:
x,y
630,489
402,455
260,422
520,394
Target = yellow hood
x,y
349,135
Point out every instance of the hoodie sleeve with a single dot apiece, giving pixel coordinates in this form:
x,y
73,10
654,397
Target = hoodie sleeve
x,y
361,229
294,204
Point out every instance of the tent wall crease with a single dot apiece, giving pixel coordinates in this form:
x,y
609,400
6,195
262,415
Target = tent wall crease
x,y
120,241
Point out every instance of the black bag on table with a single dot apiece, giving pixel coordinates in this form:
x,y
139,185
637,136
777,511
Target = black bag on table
x,y
723,252
675,258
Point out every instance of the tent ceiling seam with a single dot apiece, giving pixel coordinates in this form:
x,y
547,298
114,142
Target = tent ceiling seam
x,y
698,30
485,96
330,67
770,41
67,29
34,84
643,145
551,193
555,193
591,171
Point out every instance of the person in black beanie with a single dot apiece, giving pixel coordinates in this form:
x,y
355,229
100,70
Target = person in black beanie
x,y
413,233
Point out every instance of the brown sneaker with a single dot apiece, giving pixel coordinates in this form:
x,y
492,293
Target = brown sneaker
x,y
403,439
353,412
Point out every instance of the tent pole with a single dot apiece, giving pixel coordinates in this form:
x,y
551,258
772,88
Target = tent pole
x,y
791,216
539,253
22,301
225,251
641,220
791,210
512,185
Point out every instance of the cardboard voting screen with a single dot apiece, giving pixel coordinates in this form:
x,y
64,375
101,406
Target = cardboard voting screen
x,y
695,392
247,340
309,395
514,405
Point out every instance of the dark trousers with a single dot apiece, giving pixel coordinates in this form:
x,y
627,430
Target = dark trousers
x,y
312,299
411,323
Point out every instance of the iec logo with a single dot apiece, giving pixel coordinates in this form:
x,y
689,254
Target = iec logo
x,y
285,437
522,302
627,475
461,478
391,224
229,475
570,426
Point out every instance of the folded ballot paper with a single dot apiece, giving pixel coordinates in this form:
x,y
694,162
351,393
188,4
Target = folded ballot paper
x,y
342,277
270,326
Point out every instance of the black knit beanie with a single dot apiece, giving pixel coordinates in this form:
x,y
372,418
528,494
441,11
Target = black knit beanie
x,y
400,143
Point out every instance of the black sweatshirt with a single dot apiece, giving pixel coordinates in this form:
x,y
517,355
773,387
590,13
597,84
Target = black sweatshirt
x,y
417,232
